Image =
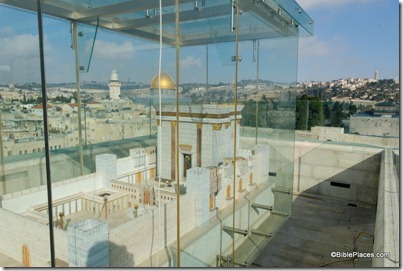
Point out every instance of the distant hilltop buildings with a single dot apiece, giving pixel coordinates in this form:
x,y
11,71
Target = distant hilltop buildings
x,y
354,89
346,82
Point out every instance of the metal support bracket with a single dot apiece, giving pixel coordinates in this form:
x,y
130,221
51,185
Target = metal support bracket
x,y
261,206
228,260
235,230
256,232
285,191
274,212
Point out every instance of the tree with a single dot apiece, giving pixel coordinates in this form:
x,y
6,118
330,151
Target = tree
x,y
309,112
326,110
352,109
316,116
336,116
301,112
38,100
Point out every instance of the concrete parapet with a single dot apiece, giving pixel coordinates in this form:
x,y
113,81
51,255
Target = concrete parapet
x,y
386,237
336,170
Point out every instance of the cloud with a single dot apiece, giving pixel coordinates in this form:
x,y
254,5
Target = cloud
x,y
6,30
5,68
24,45
19,55
315,47
113,50
190,62
314,4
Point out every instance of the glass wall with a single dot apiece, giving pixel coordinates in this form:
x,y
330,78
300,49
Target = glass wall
x,y
171,132
22,139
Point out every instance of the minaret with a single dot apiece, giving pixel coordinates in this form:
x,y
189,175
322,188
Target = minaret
x,y
376,75
114,86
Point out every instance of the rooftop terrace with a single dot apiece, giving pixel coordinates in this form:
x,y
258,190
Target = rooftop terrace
x,y
317,227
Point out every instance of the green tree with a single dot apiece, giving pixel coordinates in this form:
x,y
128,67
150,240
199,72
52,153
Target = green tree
x,y
309,112
301,113
336,116
326,110
352,109
38,100
316,116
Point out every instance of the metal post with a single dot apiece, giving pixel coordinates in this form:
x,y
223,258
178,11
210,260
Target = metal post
x,y
80,139
257,88
178,253
85,123
149,112
206,68
45,126
235,122
3,166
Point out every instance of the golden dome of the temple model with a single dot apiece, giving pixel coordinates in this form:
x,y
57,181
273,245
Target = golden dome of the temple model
x,y
166,82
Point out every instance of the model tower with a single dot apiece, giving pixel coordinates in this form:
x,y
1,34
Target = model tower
x,y
114,86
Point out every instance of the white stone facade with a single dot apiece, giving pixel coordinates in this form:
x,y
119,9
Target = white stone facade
x,y
106,165
114,86
198,182
214,126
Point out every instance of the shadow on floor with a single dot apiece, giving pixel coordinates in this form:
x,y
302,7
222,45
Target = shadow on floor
x,y
318,227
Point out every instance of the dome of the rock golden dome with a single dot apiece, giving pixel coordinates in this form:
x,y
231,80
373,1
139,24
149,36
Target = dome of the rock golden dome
x,y
166,82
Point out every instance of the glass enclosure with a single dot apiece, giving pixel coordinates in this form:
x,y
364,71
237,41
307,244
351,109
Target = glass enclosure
x,y
170,130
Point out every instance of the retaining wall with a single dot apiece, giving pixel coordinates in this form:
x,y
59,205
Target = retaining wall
x,y
340,171
386,237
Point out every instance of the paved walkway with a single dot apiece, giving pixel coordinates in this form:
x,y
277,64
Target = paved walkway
x,y
318,227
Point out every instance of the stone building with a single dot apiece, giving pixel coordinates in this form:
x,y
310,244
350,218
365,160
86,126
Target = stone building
x,y
383,122
114,86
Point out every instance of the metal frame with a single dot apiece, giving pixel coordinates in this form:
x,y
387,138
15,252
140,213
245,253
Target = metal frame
x,y
264,19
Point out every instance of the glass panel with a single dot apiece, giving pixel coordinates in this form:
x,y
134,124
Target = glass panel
x,y
298,15
263,19
23,227
268,123
86,39
230,148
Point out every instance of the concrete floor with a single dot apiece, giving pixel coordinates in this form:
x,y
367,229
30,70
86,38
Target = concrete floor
x,y
318,227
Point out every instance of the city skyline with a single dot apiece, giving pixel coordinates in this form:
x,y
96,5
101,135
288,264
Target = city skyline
x,y
352,39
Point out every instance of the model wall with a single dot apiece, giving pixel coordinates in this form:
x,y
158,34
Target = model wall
x,y
21,201
18,231
150,232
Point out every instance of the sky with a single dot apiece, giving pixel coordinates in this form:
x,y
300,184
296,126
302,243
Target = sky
x,y
352,38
